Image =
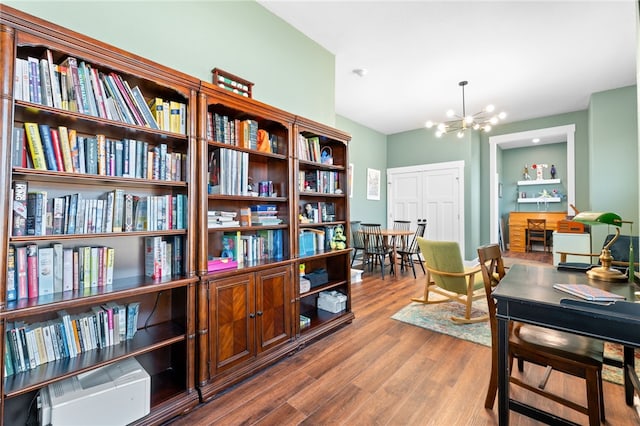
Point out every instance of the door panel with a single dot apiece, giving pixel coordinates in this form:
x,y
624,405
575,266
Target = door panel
x,y
232,327
273,313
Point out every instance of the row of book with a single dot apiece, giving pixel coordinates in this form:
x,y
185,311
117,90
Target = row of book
x,y
309,148
228,172
241,133
34,271
163,256
28,346
77,86
318,212
323,181
247,248
35,213
42,147
312,241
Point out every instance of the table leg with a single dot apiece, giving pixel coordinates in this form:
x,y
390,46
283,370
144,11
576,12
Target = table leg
x,y
629,366
503,372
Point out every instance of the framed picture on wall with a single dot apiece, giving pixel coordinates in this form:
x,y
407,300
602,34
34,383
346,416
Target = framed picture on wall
x,y
373,184
350,180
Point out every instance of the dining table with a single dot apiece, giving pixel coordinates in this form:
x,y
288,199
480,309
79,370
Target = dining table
x,y
391,235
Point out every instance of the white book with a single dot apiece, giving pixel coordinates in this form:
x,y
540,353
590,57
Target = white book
x,y
67,269
58,268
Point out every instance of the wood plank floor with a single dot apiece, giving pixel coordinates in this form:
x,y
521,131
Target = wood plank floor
x,y
384,372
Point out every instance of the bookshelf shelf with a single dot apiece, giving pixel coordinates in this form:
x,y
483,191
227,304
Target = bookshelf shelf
x,y
79,123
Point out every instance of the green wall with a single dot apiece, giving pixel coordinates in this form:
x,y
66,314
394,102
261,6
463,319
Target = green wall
x,y
289,70
367,149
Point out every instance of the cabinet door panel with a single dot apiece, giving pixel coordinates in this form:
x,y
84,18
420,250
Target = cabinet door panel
x,y
273,307
232,324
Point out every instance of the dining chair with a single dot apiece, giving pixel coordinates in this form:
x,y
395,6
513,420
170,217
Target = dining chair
x,y
411,254
447,276
537,231
568,353
376,247
401,225
357,242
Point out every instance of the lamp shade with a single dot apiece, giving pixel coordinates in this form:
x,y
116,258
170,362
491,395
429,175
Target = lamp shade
x,y
595,218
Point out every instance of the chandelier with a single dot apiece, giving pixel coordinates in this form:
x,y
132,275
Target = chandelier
x,y
483,120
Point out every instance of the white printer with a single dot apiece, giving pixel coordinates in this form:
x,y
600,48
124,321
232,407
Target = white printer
x,y
116,394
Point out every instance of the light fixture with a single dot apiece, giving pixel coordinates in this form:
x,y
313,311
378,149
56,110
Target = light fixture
x,y
604,272
483,120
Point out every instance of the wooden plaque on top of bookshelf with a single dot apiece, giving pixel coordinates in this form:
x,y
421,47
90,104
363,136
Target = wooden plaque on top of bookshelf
x,y
232,83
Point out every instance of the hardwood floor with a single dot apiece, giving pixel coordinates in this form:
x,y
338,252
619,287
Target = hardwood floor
x,y
381,371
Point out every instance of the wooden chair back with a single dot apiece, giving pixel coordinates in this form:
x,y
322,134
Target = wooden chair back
x,y
536,231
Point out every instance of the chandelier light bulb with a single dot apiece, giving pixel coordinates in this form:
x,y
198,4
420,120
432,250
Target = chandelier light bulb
x,y
483,120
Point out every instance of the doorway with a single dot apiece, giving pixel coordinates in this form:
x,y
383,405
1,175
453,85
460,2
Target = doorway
x,y
431,192
522,139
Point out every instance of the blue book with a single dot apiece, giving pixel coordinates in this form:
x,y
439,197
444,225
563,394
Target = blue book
x,y
12,293
47,146
119,154
91,155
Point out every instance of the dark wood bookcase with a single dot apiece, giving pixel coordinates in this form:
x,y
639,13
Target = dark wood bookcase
x,y
245,318
198,330
327,194
164,343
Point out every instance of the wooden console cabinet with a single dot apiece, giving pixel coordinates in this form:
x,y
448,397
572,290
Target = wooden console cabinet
x,y
518,226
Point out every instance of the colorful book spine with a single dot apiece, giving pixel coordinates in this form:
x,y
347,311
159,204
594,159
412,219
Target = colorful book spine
x,y
35,146
12,292
47,146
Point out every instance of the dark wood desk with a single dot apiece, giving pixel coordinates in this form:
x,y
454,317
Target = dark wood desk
x,y
526,294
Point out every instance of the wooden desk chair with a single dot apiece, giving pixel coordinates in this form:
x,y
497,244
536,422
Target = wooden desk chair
x,y
565,352
411,253
376,248
537,231
447,276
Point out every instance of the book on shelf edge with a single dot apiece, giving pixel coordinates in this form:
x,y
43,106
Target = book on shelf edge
x,y
588,292
221,264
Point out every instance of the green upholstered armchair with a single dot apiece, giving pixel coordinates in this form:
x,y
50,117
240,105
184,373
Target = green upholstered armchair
x,y
447,276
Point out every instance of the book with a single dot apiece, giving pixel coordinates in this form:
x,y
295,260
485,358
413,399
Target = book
x,y
133,310
65,147
57,149
18,148
36,149
21,273
12,293
47,146
220,264
588,292
19,219
58,267
153,257
45,271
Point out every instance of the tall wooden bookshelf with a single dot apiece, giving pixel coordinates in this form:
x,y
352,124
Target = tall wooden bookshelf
x,y
322,210
164,343
245,316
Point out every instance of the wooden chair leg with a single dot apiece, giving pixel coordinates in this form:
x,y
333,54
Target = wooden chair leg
x,y
593,397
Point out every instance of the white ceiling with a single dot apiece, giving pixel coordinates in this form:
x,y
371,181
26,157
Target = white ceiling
x,y
530,59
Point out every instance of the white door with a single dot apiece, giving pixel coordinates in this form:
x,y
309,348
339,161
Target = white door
x,y
431,192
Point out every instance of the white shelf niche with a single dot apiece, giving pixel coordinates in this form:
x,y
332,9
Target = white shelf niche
x,y
540,200
538,182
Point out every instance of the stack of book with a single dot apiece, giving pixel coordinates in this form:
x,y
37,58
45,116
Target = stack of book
x,y
265,215
219,219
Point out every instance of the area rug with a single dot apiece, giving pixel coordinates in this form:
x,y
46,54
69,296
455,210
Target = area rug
x,y
437,317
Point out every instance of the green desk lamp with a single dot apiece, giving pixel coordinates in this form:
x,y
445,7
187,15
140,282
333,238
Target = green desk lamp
x,y
604,272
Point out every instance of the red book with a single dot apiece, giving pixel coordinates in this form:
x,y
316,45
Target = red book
x,y
32,270
57,150
21,272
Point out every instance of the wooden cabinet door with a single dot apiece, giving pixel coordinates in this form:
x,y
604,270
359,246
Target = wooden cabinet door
x,y
273,302
232,322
